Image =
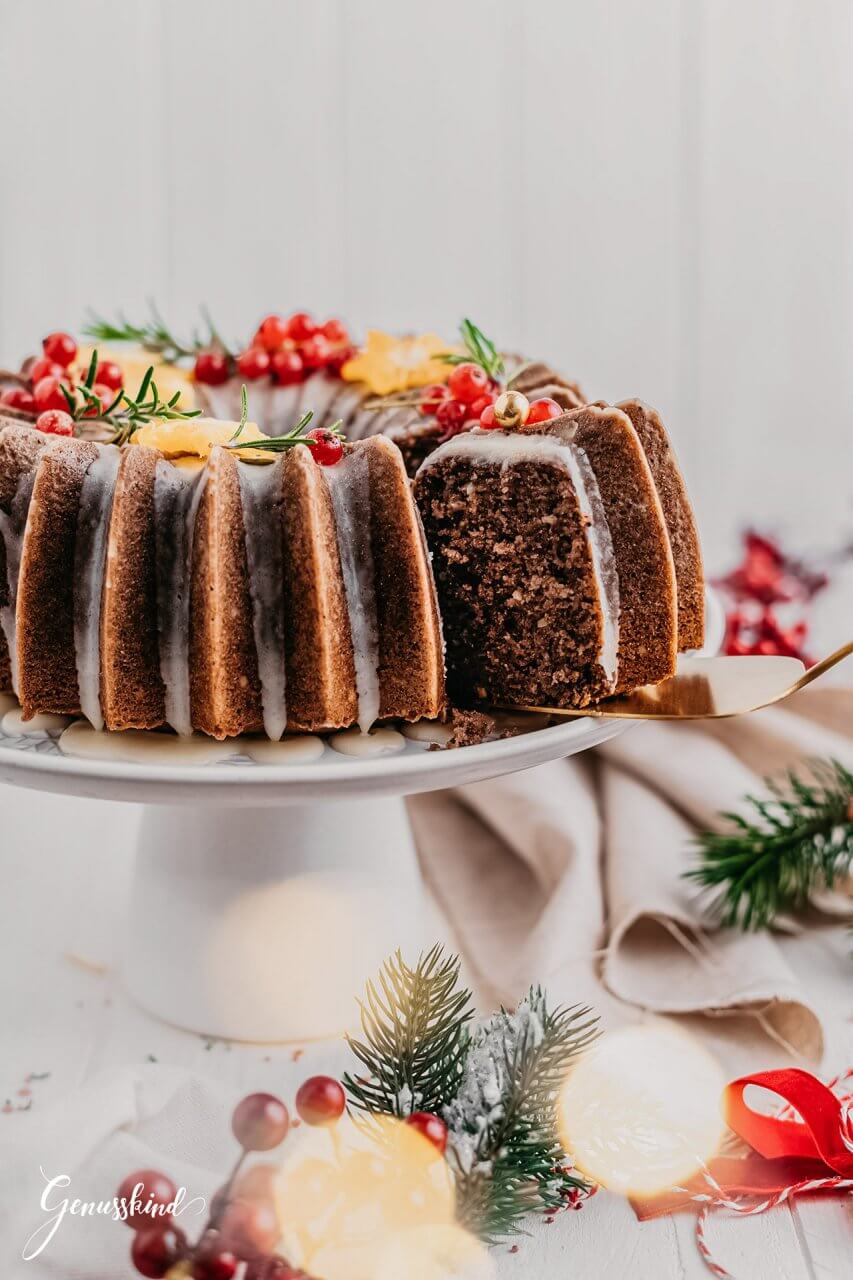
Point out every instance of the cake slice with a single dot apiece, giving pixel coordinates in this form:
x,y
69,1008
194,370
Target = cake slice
x,y
20,447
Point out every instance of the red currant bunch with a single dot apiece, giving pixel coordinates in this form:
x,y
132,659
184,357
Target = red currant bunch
x,y
466,395
288,349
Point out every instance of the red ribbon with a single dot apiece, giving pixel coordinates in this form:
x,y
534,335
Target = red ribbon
x,y
784,1152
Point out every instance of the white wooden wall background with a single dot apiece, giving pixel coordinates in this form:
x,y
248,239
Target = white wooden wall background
x,y
656,194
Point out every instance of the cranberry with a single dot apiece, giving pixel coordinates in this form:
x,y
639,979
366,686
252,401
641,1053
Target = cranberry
x,y
468,382
55,422
287,367
328,448
156,1250
44,368
271,333
60,347
544,409
320,1100
451,414
109,374
316,351
215,1264
253,363
300,326
430,1127
47,394
432,397
476,409
211,368
335,331
249,1228
155,1189
18,398
260,1122
487,418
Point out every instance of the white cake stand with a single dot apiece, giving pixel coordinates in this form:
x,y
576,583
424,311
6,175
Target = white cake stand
x,y
264,894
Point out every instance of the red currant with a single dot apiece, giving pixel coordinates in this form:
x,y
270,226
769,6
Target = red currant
x,y
451,414
287,367
300,326
60,347
18,398
156,1250
329,448
430,1127
316,351
320,1100
432,397
211,368
271,333
487,418
105,394
544,409
47,394
155,1189
215,1264
44,368
335,331
339,357
249,1228
260,1122
468,382
109,374
253,363
475,410
55,422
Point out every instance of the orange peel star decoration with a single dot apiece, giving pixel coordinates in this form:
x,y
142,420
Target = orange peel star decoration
x,y
387,363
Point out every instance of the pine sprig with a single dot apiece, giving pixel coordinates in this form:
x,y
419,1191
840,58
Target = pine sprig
x,y
125,413
415,1027
155,336
479,350
801,840
503,1123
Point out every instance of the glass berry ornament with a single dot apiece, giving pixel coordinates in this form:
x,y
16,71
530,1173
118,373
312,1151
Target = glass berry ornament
x,y
512,409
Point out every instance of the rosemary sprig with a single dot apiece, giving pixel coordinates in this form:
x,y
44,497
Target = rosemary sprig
x,y
244,413
478,350
125,414
801,839
280,444
156,336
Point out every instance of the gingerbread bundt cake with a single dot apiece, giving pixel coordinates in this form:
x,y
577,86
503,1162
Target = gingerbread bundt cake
x,y
561,551
222,594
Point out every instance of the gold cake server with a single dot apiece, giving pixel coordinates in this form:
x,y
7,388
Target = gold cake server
x,y
708,688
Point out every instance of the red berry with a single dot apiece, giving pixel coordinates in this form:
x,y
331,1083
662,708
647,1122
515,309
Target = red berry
x,y
44,368
60,347
253,363
214,1262
260,1122
329,448
320,1100
211,368
156,1249
430,1127
300,326
339,357
543,410
468,382
146,1190
271,333
432,397
475,410
487,418
109,374
106,395
287,367
451,414
249,1228
335,331
18,398
55,422
48,395
316,351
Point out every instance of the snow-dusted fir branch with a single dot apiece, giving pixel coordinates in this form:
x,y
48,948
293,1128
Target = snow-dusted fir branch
x,y
502,1123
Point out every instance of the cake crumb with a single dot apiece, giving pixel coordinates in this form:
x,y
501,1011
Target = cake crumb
x,y
473,727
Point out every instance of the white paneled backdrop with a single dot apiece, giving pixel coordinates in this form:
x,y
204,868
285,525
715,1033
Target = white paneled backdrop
x,y
656,195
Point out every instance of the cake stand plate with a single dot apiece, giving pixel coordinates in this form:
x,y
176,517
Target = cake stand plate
x,y
264,894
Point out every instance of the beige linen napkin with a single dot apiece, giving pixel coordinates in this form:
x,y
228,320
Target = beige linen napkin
x,y
571,874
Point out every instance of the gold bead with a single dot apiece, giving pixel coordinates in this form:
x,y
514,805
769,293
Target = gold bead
x,y
511,409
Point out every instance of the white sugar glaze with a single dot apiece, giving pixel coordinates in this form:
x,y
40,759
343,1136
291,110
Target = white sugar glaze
x,y
505,449
142,746
297,749
349,486
14,724
177,495
379,742
12,527
427,731
261,496
90,556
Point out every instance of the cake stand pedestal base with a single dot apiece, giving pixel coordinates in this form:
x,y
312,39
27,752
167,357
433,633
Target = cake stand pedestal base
x,y
264,923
